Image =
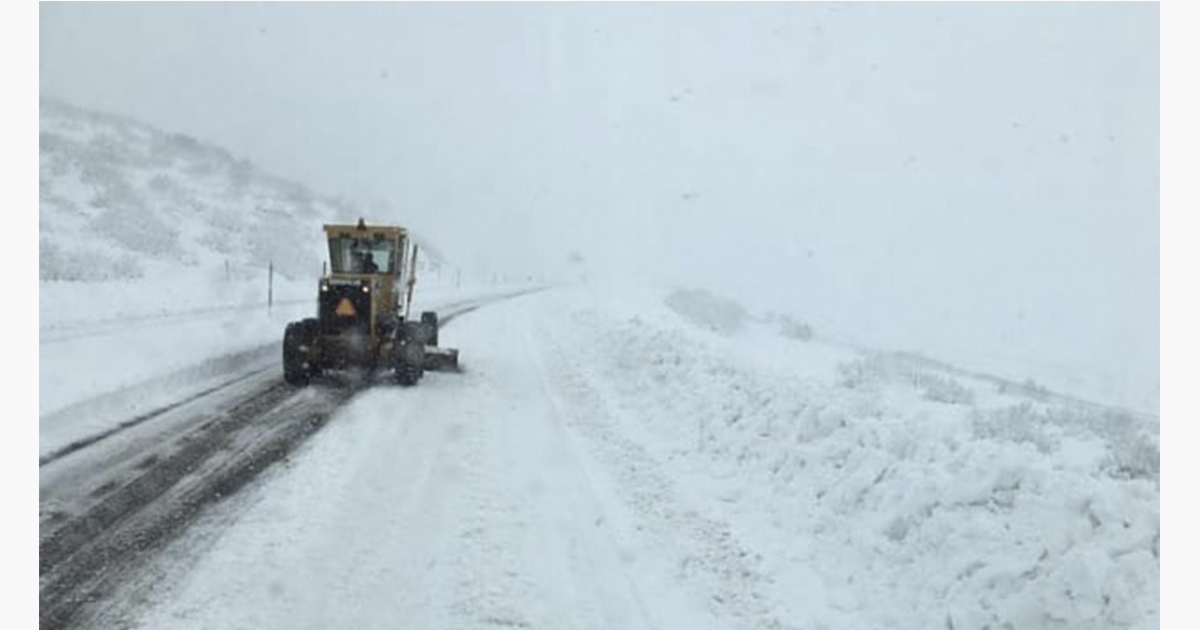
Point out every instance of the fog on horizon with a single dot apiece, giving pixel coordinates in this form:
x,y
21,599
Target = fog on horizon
x,y
966,179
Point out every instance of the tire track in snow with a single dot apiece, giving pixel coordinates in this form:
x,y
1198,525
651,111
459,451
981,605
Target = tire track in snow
x,y
429,507
141,418
619,556
86,557
695,551
236,362
531,550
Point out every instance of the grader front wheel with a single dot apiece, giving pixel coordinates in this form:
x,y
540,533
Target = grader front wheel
x,y
409,362
298,339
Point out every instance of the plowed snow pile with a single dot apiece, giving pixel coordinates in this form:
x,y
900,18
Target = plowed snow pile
x,y
880,491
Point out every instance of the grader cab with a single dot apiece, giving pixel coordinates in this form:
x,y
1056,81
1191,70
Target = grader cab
x,y
362,311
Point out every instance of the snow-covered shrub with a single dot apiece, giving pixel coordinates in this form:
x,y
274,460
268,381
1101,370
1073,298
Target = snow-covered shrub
x,y
1138,459
181,144
868,371
129,222
50,142
1133,446
163,184
1132,450
218,241
1028,388
111,148
943,389
240,174
83,265
792,329
1022,423
708,311
101,176
876,369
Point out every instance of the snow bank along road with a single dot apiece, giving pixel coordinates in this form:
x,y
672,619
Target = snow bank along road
x,y
608,466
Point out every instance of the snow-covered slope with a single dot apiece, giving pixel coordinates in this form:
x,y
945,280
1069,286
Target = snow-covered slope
x,y
136,221
120,200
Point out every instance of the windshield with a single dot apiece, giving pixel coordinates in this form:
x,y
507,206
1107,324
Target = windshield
x,y
361,255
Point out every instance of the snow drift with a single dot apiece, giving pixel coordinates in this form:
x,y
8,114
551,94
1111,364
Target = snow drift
x,y
920,498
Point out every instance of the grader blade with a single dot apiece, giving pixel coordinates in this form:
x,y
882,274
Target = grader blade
x,y
441,359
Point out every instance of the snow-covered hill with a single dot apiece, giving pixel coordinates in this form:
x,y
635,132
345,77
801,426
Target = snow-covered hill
x,y
134,221
120,200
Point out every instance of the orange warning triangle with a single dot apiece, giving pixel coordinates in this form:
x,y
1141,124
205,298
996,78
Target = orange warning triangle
x,y
345,308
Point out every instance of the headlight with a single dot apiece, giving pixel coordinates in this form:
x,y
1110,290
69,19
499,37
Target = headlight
x,y
366,289
324,287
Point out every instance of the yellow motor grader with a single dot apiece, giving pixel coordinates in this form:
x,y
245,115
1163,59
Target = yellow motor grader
x,y
362,320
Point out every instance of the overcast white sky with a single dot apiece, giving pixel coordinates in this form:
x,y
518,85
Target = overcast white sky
x,y
965,178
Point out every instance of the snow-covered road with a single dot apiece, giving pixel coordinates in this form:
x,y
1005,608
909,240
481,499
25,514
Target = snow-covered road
x,y
466,502
606,463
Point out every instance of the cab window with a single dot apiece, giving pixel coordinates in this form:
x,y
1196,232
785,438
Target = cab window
x,y
361,255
